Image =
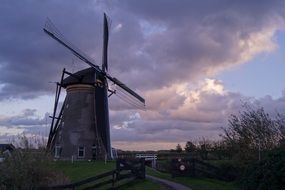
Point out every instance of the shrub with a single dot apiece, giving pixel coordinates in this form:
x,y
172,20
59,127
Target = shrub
x,y
252,131
266,174
27,169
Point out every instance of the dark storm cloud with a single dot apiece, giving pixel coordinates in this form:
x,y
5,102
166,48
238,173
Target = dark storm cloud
x,y
29,59
198,36
153,45
191,38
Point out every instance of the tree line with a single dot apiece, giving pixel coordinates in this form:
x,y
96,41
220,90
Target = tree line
x,y
250,134
252,147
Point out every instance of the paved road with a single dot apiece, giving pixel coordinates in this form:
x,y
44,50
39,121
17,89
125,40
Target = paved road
x,y
171,184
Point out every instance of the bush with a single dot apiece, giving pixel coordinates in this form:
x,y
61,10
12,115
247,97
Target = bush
x,y
27,169
266,174
253,131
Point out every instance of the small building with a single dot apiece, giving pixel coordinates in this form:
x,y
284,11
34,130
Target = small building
x,y
5,147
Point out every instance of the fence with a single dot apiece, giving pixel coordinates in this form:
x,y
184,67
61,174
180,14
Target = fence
x,y
148,157
125,169
195,167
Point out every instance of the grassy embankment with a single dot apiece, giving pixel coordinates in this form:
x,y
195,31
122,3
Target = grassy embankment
x,y
81,170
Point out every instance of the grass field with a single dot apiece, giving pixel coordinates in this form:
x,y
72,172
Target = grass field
x,y
196,183
143,185
80,170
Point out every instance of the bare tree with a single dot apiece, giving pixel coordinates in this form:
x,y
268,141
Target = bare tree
x,y
29,142
178,148
250,132
204,148
190,147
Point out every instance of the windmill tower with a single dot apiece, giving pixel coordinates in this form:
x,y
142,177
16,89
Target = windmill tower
x,y
81,128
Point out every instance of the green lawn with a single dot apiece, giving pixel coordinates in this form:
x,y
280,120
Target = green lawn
x,y
206,184
195,183
80,170
143,185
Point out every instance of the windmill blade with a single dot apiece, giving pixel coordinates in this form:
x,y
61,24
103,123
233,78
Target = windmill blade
x,y
129,99
127,89
105,44
53,32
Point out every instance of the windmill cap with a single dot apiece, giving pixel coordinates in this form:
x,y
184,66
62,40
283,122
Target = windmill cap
x,y
85,76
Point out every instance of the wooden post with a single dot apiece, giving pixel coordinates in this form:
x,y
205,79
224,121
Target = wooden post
x,y
118,168
193,166
142,160
173,168
113,182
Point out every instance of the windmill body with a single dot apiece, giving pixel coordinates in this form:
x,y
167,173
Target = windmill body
x,y
81,129
83,132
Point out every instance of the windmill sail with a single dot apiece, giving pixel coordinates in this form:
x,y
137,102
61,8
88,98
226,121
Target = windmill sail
x,y
123,86
53,32
82,126
105,45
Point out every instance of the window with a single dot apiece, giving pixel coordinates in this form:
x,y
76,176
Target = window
x,y
94,152
57,151
81,152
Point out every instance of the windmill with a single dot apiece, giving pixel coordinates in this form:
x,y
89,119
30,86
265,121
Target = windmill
x,y
80,129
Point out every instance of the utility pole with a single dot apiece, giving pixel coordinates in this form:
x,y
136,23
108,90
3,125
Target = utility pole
x,y
259,157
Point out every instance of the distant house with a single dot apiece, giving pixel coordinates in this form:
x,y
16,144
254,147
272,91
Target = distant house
x,y
4,147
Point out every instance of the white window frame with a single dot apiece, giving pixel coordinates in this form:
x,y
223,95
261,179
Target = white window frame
x,y
57,151
79,149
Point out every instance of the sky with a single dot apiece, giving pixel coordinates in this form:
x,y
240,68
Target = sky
x,y
194,62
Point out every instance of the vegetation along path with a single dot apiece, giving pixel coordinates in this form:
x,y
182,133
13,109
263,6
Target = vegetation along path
x,y
171,184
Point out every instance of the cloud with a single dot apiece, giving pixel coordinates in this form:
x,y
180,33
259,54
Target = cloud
x,y
199,39
11,131
169,52
28,117
29,59
151,46
27,122
202,113
204,103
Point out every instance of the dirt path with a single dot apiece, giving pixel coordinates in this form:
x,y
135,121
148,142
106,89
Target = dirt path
x,y
171,184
